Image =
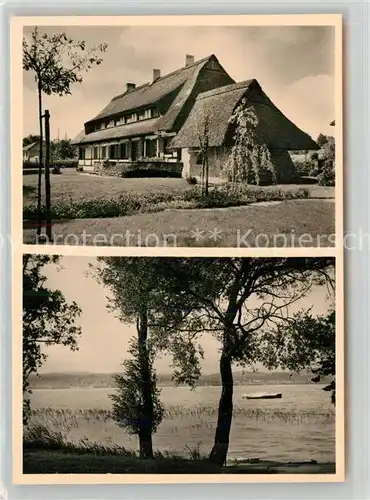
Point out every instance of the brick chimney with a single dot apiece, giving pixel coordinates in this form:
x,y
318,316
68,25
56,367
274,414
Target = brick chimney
x,y
156,74
130,86
189,60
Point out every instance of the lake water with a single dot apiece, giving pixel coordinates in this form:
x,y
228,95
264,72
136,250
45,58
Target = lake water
x,y
300,426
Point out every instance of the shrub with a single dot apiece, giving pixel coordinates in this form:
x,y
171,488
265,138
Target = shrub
x,y
314,172
327,177
129,204
303,168
191,180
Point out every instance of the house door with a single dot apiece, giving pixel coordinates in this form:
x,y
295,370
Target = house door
x,y
134,150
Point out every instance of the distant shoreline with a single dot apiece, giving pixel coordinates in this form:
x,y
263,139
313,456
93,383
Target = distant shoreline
x,y
106,381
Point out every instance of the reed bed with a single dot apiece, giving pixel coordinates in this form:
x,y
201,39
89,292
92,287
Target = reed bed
x,y
70,418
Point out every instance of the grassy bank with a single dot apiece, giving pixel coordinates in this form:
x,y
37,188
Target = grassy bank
x,y
46,452
292,434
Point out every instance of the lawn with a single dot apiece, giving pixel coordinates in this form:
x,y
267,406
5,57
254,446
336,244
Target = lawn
x,y
280,223
71,184
305,223
77,186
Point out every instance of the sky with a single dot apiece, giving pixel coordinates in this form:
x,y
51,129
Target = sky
x,y
294,66
104,340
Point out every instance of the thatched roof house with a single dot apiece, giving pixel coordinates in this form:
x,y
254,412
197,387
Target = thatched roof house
x,y
217,106
139,123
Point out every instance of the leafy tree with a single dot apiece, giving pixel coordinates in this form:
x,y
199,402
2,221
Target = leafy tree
x,y
63,150
250,157
136,288
329,148
224,292
47,320
57,61
321,140
233,299
30,139
306,342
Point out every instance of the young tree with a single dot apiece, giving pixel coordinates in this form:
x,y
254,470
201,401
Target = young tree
x,y
306,342
135,285
47,319
203,137
137,395
250,157
57,61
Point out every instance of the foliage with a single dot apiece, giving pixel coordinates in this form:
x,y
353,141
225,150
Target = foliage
x,y
321,140
58,61
234,299
329,148
30,139
47,319
327,176
62,150
128,406
250,157
306,342
191,180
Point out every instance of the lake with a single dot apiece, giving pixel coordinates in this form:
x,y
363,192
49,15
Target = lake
x,y
298,427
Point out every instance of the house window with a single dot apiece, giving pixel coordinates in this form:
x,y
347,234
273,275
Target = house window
x,y
141,115
123,154
199,160
131,118
104,152
151,148
81,153
154,112
96,153
166,145
113,151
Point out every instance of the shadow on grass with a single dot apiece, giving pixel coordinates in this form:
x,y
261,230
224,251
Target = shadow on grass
x,y
28,190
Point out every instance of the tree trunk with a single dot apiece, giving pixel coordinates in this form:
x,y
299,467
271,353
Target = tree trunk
x,y
146,424
145,444
220,448
47,177
39,204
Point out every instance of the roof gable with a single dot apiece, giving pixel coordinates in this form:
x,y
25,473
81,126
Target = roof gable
x,y
274,128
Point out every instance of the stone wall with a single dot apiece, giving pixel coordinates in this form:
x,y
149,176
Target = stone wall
x,y
139,169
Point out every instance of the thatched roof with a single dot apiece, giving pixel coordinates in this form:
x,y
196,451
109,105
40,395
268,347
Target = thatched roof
x,y
32,145
120,132
274,128
176,87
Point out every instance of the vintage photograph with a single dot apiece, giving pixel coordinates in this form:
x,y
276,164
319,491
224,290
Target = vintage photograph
x,y
180,136
164,365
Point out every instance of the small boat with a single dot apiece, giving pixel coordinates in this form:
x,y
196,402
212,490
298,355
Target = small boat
x,y
277,395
